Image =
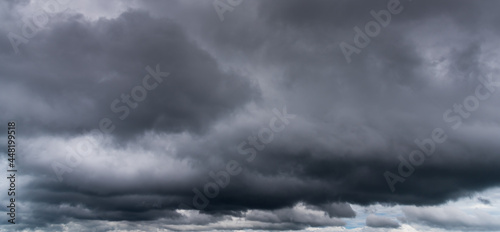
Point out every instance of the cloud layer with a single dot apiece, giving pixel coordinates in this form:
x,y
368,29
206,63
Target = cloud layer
x,y
229,87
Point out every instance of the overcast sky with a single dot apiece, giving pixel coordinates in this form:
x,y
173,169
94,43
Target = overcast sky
x,y
252,115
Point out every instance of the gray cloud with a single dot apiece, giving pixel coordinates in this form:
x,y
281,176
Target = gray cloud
x,y
93,63
484,201
353,120
289,215
337,210
381,222
451,218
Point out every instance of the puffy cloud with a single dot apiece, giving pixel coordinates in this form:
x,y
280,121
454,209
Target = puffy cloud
x,y
451,218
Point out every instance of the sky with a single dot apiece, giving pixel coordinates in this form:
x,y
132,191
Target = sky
x,y
251,115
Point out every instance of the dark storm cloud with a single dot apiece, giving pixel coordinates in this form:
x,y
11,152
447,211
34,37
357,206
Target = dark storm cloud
x,y
353,120
79,68
337,210
390,91
283,178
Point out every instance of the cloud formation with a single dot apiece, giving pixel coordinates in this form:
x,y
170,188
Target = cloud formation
x,y
381,222
354,121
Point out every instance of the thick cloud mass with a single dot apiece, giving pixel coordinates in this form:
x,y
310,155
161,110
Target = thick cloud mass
x,y
229,83
78,68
